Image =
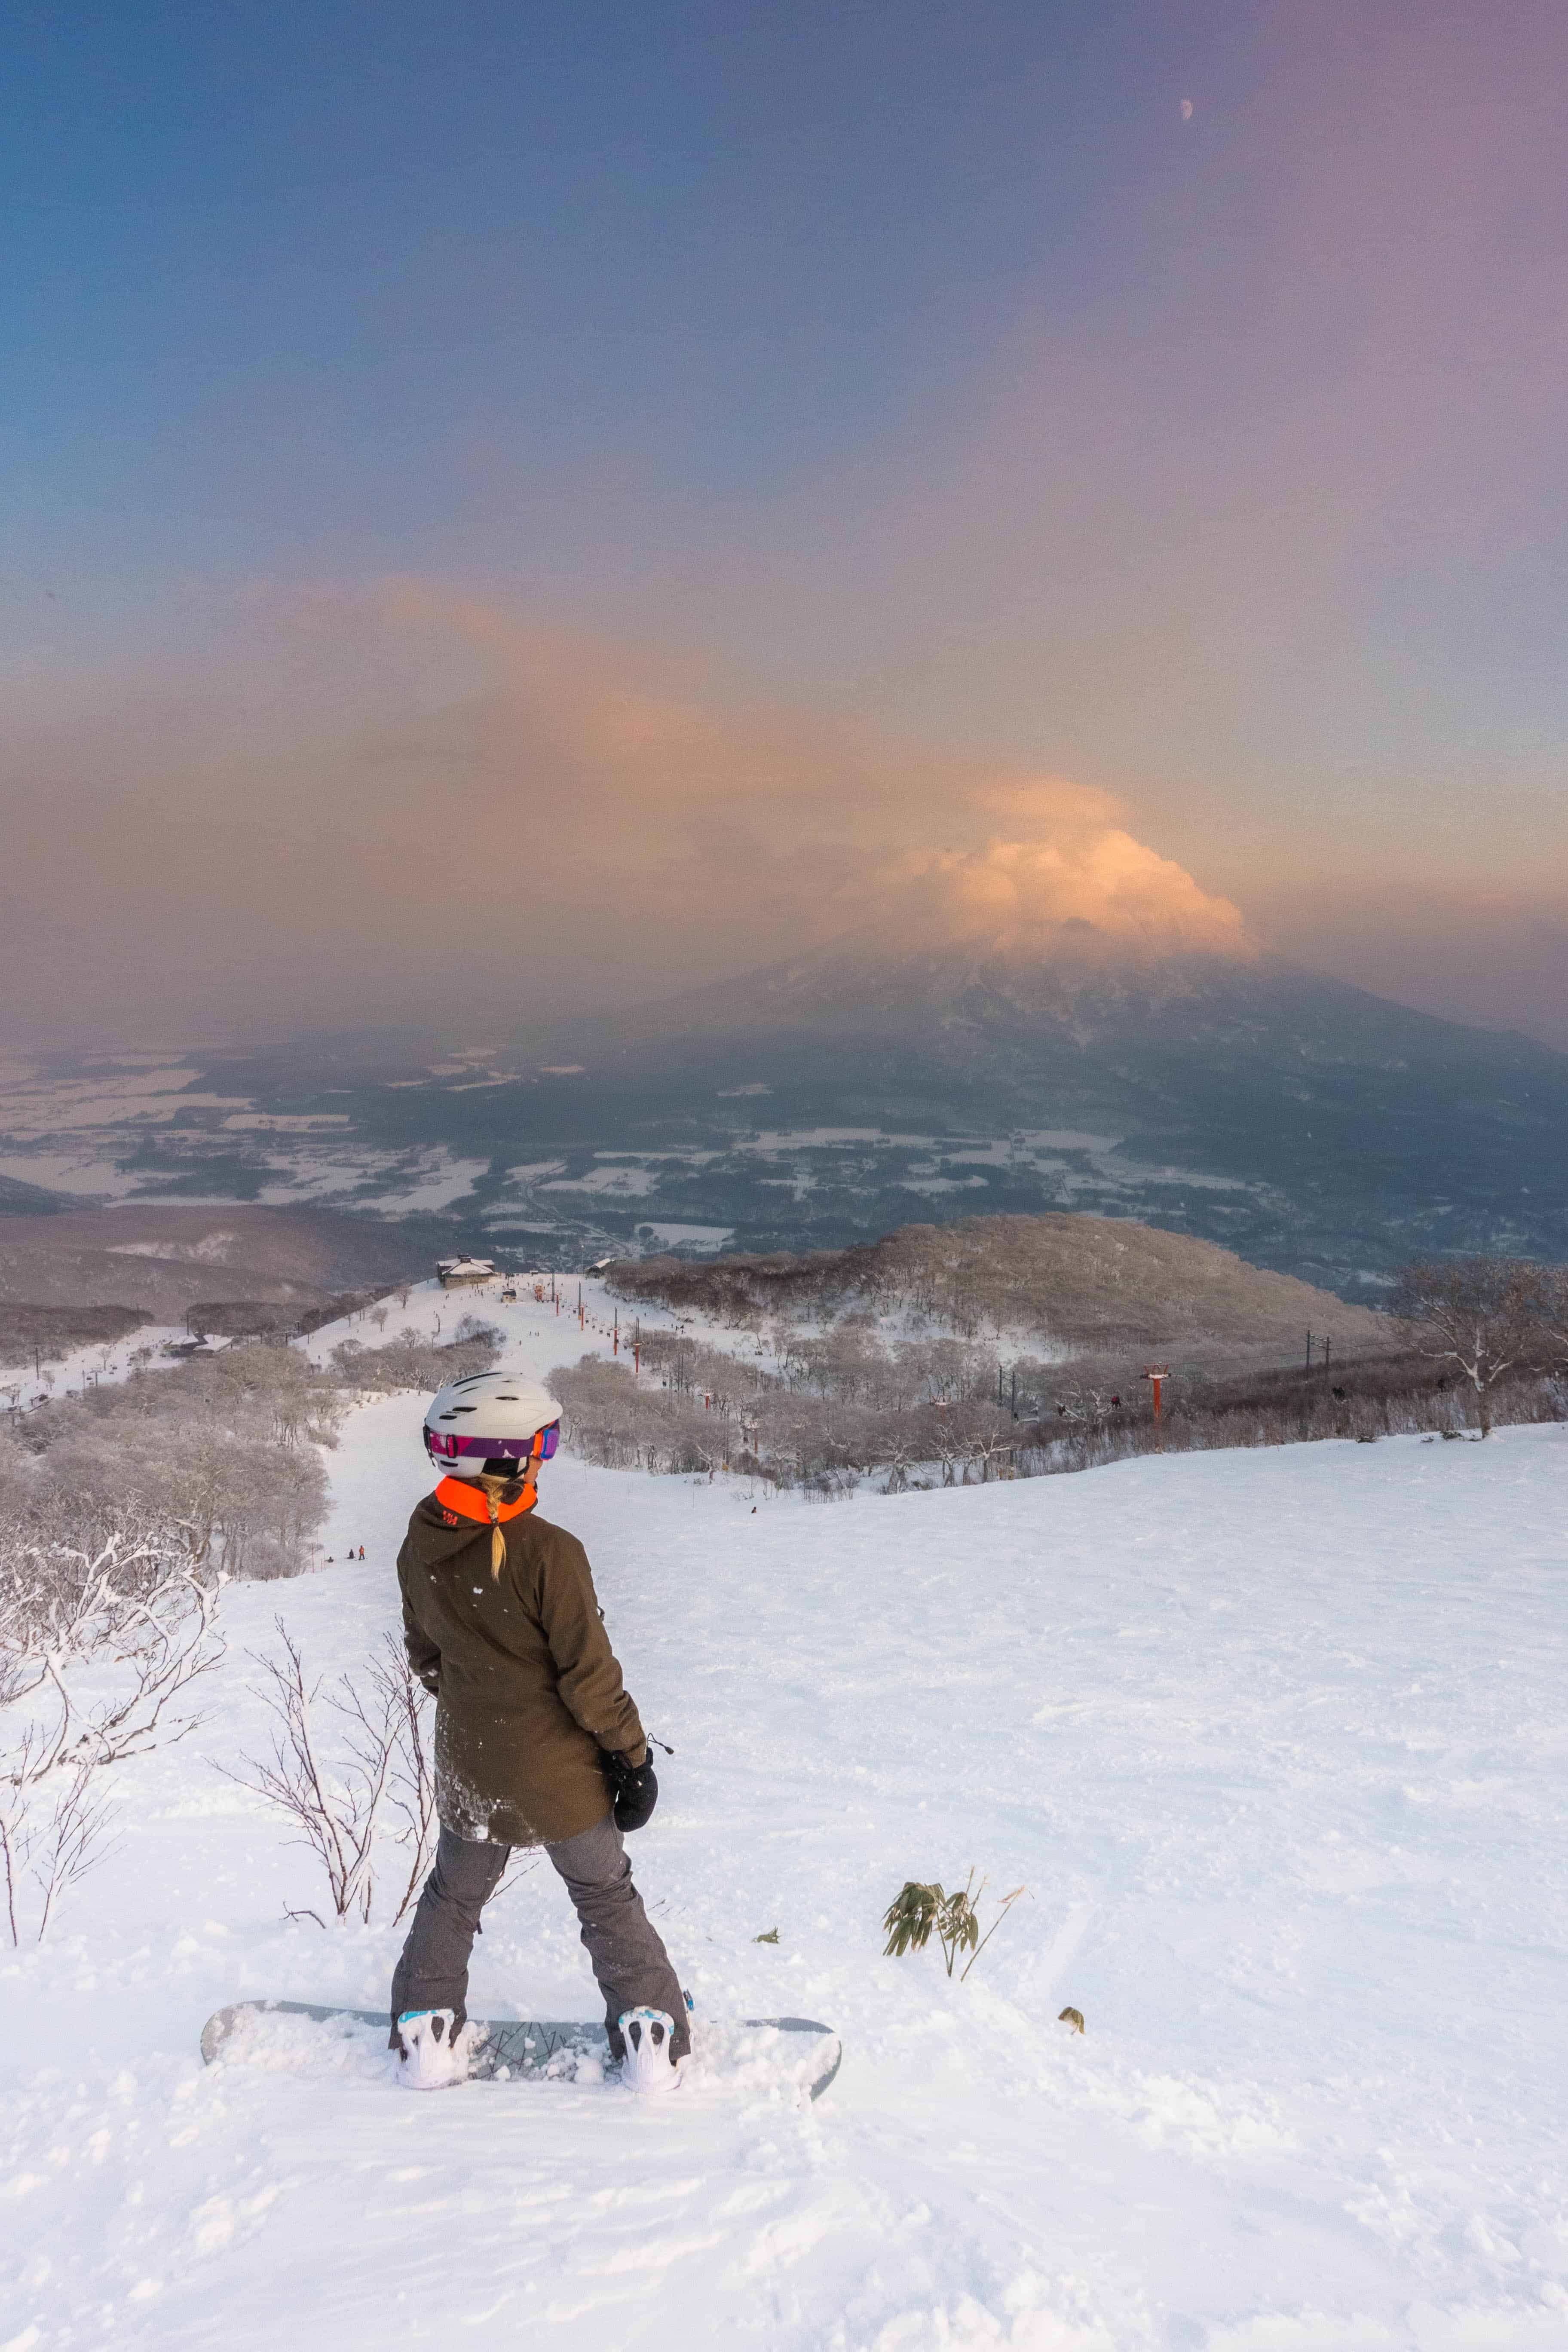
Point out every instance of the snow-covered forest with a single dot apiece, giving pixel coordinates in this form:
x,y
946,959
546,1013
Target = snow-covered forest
x,y
1271,1738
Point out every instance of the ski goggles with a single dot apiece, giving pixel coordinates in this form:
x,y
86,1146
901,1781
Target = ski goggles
x,y
537,1448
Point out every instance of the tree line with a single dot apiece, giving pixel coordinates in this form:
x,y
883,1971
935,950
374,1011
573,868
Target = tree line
x,y
219,1458
1468,1339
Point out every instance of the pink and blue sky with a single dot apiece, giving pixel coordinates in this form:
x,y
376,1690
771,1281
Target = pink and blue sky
x,y
564,501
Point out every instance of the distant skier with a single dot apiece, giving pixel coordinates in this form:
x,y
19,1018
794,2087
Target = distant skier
x,y
537,1742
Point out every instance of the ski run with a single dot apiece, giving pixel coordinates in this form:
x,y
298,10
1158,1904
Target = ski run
x,y
1276,1741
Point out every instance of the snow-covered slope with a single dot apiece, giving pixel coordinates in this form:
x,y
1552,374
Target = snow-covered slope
x,y
1276,1740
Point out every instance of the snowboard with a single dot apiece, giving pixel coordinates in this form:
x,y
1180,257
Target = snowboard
x,y
765,2053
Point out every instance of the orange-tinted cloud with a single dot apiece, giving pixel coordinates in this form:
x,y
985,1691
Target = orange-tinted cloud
x,y
1066,874
363,807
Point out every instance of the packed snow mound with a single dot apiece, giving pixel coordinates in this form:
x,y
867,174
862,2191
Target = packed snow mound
x,y
1275,1740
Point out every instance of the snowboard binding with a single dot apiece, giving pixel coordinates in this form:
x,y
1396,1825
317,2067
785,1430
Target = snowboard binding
x,y
649,2065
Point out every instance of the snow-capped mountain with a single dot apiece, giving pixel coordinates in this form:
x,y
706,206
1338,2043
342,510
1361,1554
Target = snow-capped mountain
x,y
1307,1125
991,1016
1313,1124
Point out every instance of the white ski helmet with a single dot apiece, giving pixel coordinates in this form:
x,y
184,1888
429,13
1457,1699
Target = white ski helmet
x,y
492,1416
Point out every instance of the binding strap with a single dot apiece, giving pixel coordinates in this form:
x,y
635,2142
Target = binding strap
x,y
458,1501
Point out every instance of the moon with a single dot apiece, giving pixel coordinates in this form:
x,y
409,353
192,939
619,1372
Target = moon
x,y
1186,109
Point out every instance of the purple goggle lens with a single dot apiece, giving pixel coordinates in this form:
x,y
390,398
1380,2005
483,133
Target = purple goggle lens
x,y
537,1448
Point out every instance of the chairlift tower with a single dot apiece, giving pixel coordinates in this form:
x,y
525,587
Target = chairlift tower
x,y
1157,1375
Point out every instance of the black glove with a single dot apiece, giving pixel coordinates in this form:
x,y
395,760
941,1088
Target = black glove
x,y
635,1787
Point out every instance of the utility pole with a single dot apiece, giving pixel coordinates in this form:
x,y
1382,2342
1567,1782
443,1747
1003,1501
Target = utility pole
x,y
1157,1374
1308,1351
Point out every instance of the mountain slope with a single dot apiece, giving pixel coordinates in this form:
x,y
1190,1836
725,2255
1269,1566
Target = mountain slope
x,y
1087,1283
1358,1129
158,1261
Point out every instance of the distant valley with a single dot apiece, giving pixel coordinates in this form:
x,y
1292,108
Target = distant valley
x,y
1309,1127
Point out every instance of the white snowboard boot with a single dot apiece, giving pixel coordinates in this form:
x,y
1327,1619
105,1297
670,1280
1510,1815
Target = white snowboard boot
x,y
430,2055
648,2065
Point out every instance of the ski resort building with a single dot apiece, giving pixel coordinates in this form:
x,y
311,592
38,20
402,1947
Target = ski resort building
x,y
455,1272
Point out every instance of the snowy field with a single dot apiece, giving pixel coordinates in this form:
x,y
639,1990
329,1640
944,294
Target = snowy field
x,y
1276,1739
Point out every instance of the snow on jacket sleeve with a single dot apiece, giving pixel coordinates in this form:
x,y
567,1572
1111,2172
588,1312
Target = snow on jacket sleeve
x,y
423,1655
589,1684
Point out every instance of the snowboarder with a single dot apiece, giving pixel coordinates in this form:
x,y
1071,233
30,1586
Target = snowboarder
x,y
537,1742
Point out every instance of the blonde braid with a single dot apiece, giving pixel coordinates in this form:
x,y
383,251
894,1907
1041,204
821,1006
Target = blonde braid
x,y
494,1489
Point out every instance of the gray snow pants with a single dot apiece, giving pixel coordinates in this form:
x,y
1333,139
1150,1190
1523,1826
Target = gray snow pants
x,y
628,1957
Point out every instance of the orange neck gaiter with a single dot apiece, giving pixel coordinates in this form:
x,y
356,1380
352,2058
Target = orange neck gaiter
x,y
459,1500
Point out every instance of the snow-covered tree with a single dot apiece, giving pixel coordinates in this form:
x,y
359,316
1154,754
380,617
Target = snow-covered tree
x,y
1486,1315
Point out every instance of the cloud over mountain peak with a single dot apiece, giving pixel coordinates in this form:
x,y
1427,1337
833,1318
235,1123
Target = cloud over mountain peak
x,y
1066,876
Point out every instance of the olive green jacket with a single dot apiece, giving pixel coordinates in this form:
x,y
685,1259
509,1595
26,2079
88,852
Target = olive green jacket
x,y
527,1688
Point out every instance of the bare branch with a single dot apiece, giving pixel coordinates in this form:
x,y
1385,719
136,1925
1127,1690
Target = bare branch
x,y
411,1787
338,1815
